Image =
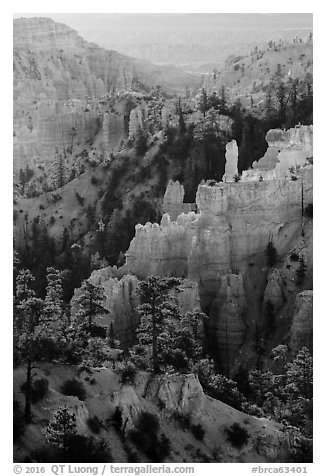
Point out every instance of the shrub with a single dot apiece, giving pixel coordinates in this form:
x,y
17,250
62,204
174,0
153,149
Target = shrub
x,y
94,180
94,424
74,388
198,432
237,435
146,438
294,256
39,389
117,419
127,371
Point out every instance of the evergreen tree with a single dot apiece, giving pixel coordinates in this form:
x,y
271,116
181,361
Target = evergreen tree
x,y
223,106
27,330
299,374
61,429
182,124
203,101
90,299
156,313
281,104
60,172
53,302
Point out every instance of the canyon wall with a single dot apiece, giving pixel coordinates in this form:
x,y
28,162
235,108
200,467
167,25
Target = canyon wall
x,y
222,247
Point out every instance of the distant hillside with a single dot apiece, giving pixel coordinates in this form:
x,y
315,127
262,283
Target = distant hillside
x,y
187,40
250,76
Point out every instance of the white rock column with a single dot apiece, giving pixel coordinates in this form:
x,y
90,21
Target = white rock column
x,y
231,164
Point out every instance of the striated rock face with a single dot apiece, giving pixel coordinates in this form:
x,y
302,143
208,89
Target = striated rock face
x,y
302,325
231,164
235,222
226,325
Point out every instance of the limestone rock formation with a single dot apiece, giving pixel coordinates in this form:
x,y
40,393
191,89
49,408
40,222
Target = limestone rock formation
x,y
180,394
173,200
234,224
286,149
302,325
231,164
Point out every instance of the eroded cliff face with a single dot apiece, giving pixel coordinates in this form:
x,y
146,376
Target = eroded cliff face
x,y
235,223
226,241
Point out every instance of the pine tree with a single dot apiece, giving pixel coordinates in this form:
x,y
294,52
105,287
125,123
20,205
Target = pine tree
x,y
60,171
281,103
27,330
299,374
53,302
156,313
61,429
90,300
223,106
203,102
182,124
